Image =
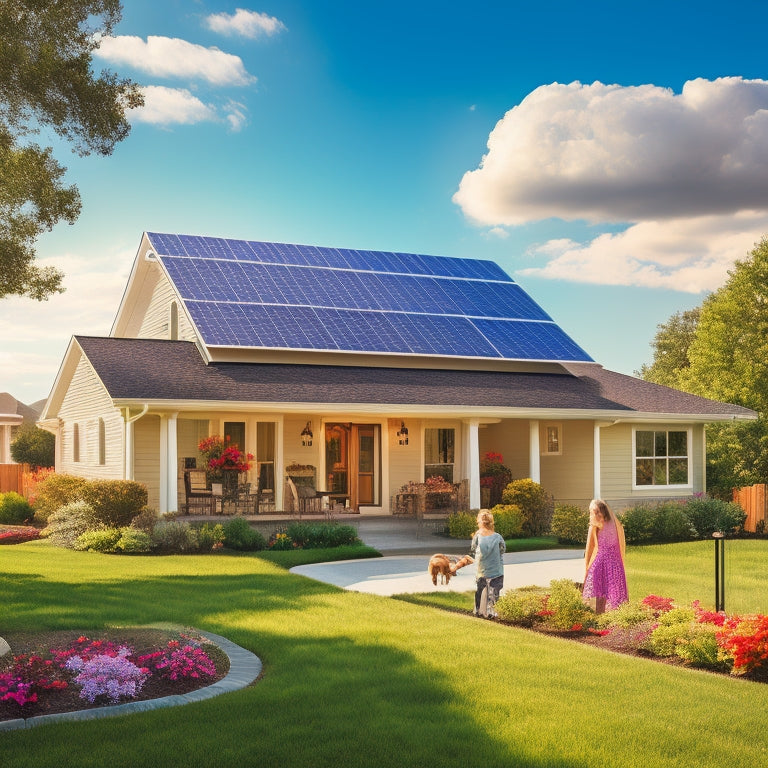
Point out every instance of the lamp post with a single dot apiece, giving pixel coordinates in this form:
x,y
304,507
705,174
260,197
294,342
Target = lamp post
x,y
719,538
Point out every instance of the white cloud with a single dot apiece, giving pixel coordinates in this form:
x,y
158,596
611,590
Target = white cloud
x,y
172,57
691,254
251,24
236,116
687,173
168,106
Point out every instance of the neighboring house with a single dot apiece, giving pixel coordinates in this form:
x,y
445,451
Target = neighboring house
x,y
13,414
373,368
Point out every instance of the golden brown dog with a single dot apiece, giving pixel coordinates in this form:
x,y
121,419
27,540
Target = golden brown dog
x,y
442,565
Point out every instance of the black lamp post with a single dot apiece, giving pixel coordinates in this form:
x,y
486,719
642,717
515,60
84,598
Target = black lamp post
x,y
719,538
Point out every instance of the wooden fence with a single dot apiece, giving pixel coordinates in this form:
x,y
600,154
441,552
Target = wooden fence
x,y
753,500
12,478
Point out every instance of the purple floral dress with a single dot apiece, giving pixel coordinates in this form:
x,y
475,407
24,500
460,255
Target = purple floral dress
x,y
606,577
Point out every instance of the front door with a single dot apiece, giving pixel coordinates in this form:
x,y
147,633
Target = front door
x,y
352,462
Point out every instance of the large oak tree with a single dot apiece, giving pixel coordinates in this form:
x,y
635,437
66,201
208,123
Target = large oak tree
x,y
47,85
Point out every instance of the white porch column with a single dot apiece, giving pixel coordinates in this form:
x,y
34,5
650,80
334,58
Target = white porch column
x,y
163,464
534,451
473,446
596,463
173,464
128,457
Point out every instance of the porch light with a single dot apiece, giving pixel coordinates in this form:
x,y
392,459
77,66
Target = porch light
x,y
402,434
306,435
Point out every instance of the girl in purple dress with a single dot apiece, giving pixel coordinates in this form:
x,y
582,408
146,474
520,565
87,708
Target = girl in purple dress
x,y
605,579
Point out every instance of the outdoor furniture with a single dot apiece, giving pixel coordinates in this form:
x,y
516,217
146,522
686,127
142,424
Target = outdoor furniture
x,y
244,501
197,495
265,487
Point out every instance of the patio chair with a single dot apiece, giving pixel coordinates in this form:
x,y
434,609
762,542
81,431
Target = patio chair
x,y
196,492
265,488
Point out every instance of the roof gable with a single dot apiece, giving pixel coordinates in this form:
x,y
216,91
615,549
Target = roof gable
x,y
271,296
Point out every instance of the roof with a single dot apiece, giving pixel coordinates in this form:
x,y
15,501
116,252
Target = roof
x,y
275,296
159,370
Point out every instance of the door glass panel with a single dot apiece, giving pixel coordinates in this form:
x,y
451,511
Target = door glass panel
x,y
337,457
234,433
439,453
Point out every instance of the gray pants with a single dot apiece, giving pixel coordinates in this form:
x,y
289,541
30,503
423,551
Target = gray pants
x,y
486,595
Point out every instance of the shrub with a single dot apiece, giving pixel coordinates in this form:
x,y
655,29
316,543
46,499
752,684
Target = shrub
x,y
745,640
281,542
134,541
508,520
145,520
14,509
71,520
103,540
522,606
710,515
535,503
34,446
18,535
672,523
173,536
565,608
322,535
115,502
639,523
570,523
629,614
56,491
700,649
462,525
239,535
210,536
673,627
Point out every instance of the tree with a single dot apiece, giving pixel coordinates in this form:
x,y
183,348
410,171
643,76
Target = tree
x,y
46,83
33,446
670,348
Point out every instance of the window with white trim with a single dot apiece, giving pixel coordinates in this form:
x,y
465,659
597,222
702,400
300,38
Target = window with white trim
x,y
75,442
552,440
439,453
102,442
662,457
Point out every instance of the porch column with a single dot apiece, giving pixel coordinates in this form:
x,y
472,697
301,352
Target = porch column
x,y
173,464
473,444
163,462
128,458
596,463
534,451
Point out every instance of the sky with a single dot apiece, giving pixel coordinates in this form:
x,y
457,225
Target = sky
x,y
611,157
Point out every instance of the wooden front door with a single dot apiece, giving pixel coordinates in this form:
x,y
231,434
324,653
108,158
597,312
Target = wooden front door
x,y
352,462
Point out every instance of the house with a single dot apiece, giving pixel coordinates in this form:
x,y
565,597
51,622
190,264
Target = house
x,y
13,414
371,370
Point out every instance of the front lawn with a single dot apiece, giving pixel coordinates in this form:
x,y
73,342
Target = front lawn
x,y
354,679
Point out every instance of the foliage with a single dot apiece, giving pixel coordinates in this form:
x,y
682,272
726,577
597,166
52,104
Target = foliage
x,y
220,455
710,515
507,520
48,82
462,525
322,535
494,476
281,542
134,541
522,606
55,491
115,676
670,348
629,614
69,522
115,502
28,676
565,609
14,508
672,522
173,536
535,503
238,534
18,535
34,446
210,536
102,540
700,648
673,627
639,523
570,523
145,520
179,660
745,641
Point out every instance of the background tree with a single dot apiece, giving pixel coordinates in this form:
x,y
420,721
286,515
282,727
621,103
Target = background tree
x,y
46,84
33,446
724,356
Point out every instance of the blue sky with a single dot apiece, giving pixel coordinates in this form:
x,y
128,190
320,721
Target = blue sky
x,y
611,157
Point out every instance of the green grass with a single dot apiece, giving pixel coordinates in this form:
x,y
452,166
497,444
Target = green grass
x,y
535,543
293,557
353,679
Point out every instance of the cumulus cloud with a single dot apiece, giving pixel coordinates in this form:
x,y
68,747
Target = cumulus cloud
x,y
686,172
251,24
169,106
173,57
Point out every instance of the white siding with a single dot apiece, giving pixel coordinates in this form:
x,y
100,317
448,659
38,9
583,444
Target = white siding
x,y
569,477
155,323
85,402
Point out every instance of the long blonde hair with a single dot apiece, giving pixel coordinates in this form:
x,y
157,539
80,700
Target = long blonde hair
x,y
599,513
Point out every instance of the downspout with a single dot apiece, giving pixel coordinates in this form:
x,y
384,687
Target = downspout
x,y
128,440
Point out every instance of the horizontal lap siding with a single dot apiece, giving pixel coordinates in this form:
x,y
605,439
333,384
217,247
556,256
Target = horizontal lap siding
x,y
569,477
155,304
146,464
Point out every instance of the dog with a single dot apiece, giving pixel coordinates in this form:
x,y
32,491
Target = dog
x,y
442,566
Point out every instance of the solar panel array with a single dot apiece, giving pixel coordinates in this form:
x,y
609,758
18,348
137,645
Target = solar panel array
x,y
278,296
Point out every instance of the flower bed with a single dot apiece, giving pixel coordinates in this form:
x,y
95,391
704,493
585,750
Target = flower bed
x,y
18,534
62,672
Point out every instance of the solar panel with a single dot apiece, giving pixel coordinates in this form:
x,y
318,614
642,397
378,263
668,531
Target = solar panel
x,y
281,296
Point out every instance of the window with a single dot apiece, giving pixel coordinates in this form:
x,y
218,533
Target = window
x,y
661,457
439,453
75,442
102,442
552,444
174,322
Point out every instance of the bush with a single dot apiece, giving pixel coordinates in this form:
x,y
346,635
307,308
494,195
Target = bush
x,y
171,536
115,502
672,523
673,627
134,541
34,446
639,523
570,523
629,614
565,607
535,503
522,606
55,492
462,525
145,520
700,649
322,535
103,540
14,509
710,515
239,535
508,520
69,522
210,536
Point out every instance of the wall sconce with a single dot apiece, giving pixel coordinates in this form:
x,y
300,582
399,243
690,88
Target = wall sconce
x,y
402,434
306,435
